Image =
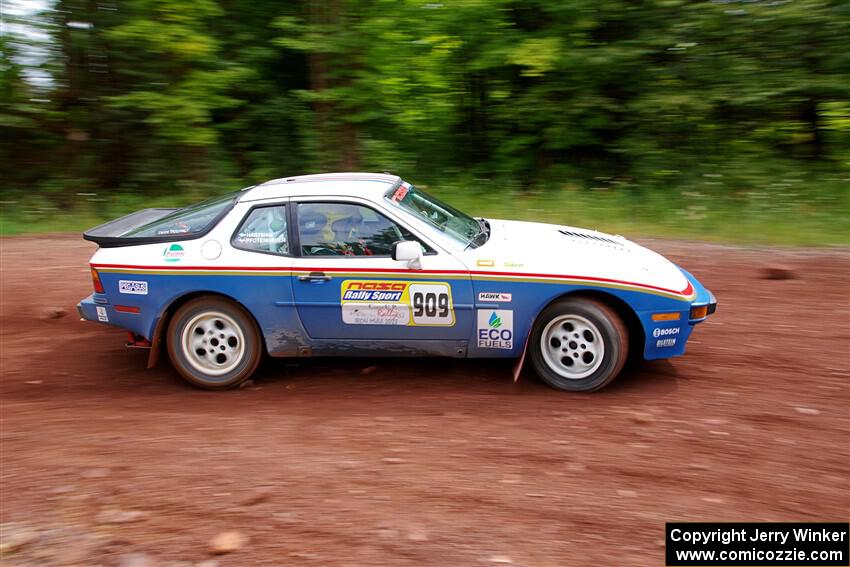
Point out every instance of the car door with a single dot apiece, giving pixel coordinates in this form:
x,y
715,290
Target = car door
x,y
347,286
261,253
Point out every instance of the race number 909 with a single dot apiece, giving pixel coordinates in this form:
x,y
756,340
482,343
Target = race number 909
x,y
432,304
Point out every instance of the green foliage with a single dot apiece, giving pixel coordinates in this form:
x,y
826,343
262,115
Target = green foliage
x,y
179,78
676,104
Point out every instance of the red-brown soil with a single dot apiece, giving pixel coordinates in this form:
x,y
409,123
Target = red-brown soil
x,y
413,462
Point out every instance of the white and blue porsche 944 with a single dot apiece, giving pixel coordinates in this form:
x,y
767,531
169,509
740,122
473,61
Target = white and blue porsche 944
x,y
366,264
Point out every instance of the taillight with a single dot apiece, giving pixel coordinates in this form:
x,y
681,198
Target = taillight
x,y
95,280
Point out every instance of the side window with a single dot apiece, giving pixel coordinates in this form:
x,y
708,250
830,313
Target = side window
x,y
344,229
263,230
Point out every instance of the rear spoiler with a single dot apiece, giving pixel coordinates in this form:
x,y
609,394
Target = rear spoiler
x,y
109,235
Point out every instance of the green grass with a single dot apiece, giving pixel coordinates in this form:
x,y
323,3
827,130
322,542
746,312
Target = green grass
x,y
720,221
749,218
764,218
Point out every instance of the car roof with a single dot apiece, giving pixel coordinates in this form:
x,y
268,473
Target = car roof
x,y
349,183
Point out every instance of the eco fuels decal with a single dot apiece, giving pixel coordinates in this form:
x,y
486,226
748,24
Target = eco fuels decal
x,y
373,302
173,253
495,328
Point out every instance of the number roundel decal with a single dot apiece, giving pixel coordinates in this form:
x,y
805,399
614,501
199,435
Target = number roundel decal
x,y
432,304
370,302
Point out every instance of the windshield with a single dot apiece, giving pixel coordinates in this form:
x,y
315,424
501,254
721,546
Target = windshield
x,y
460,226
188,220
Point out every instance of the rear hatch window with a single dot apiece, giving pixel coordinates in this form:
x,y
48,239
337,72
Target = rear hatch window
x,y
160,225
189,220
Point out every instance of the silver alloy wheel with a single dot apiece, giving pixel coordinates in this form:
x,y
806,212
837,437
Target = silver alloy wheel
x,y
572,346
213,343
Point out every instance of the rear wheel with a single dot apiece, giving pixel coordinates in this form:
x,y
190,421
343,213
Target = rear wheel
x,y
579,344
214,343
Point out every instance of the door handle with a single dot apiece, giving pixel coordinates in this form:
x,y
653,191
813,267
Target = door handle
x,y
315,277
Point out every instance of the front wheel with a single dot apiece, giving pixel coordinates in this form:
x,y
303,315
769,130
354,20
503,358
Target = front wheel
x,y
214,343
579,344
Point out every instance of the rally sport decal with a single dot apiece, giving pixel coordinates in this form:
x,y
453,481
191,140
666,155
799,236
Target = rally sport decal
x,y
370,302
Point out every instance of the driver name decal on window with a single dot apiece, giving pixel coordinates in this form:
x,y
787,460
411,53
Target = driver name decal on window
x,y
267,237
264,230
370,302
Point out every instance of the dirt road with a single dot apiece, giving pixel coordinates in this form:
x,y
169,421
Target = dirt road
x,y
442,462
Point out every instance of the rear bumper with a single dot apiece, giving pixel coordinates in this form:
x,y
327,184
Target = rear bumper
x,y
88,309
98,309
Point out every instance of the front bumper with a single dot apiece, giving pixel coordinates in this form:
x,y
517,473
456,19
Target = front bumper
x,y
666,336
704,299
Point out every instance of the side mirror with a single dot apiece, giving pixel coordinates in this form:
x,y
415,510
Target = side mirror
x,y
408,251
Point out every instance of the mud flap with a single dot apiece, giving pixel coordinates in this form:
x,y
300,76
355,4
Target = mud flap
x,y
156,340
521,361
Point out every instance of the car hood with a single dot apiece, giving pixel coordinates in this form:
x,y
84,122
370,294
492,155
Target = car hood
x,y
529,248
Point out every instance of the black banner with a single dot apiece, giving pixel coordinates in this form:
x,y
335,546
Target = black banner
x,y
746,544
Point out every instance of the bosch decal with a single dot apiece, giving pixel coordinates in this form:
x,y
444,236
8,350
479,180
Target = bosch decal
x,y
496,328
666,332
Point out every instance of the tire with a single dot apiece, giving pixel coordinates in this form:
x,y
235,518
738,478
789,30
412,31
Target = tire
x,y
227,335
579,344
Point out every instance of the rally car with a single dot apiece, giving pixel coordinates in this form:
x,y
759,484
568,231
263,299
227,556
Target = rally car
x,y
354,264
